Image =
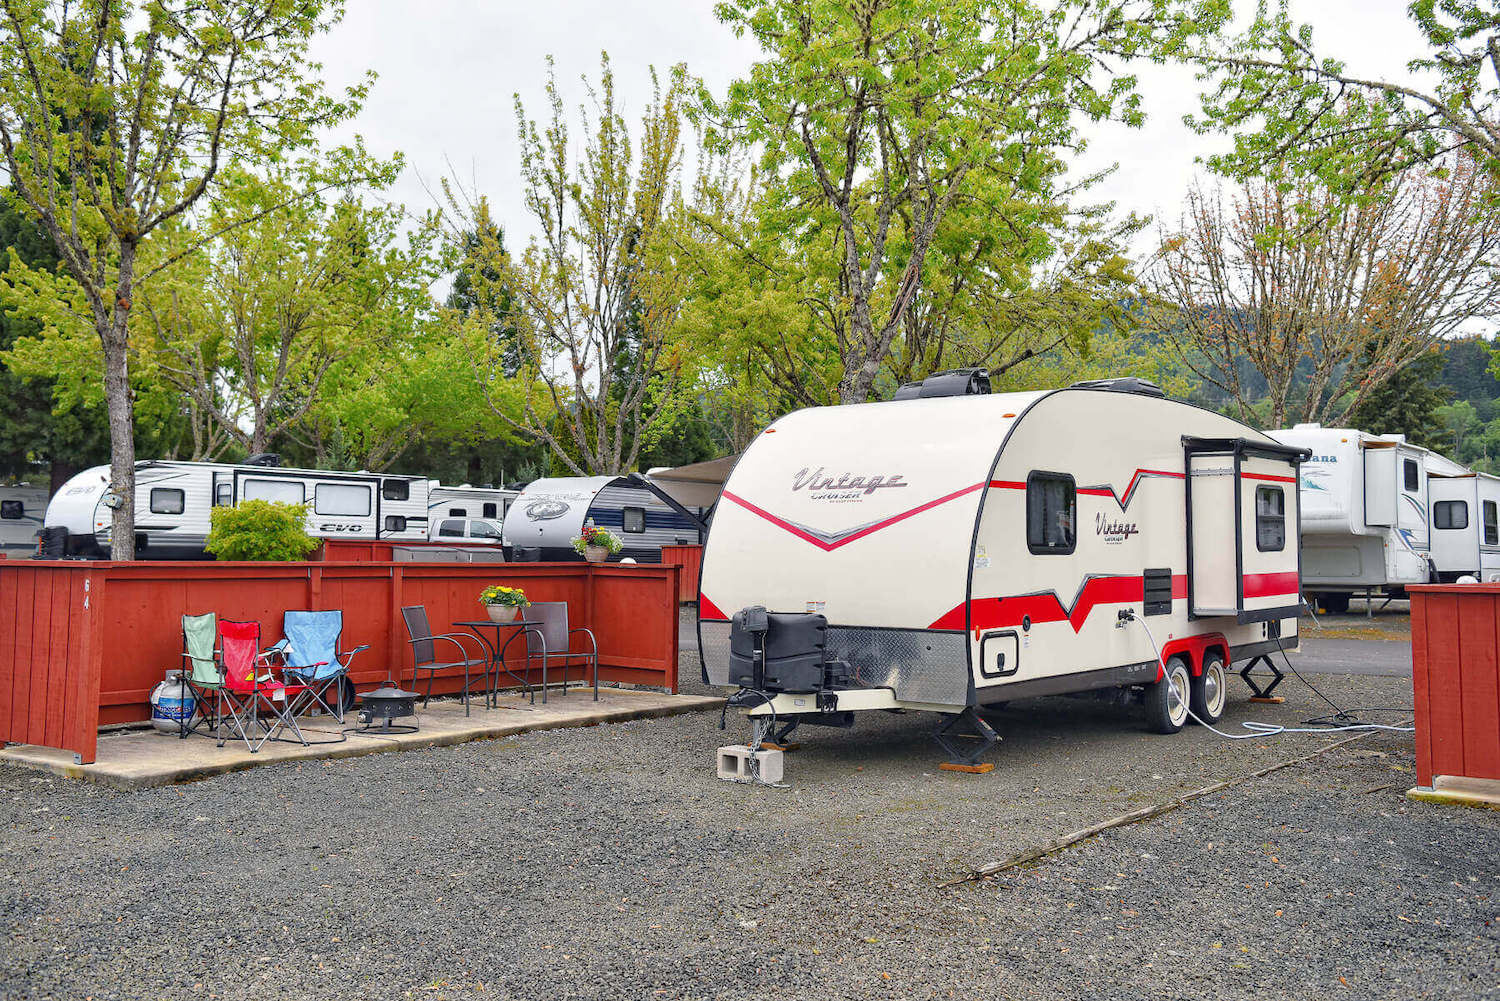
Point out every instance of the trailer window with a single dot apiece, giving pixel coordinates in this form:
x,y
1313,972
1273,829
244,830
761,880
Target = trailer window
x,y
457,512
1051,513
490,510
635,519
1270,519
167,500
395,489
12,510
1450,514
224,495
278,491
451,529
1409,471
395,523
348,499
1491,524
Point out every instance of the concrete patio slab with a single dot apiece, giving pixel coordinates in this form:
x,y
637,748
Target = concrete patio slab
x,y
140,759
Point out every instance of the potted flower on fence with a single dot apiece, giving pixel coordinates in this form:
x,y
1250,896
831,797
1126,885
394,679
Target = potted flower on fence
x,y
503,602
597,544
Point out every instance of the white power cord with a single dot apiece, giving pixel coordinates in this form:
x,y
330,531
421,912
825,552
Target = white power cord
x,y
1257,729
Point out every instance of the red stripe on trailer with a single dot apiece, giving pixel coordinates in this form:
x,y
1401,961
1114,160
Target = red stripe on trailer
x,y
708,610
1007,485
1266,585
1267,476
830,545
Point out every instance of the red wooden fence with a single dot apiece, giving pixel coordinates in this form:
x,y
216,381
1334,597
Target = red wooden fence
x,y
83,644
690,559
1455,632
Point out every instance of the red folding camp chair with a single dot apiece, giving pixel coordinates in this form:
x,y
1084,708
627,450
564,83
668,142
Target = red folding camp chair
x,y
252,699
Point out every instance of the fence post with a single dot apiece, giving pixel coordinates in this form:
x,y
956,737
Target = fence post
x,y
91,670
315,589
398,580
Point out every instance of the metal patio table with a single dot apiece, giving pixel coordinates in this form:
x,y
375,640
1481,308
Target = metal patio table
x,y
497,655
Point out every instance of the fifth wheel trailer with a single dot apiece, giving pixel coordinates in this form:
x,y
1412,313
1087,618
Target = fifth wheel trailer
x,y
1366,522
951,553
173,501
1465,526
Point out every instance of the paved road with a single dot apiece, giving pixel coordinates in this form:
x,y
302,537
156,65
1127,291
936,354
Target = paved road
x,y
1383,657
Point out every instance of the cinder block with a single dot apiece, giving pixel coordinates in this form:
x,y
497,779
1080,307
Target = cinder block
x,y
737,763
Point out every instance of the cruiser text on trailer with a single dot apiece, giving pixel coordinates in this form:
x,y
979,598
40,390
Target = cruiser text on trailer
x,y
975,549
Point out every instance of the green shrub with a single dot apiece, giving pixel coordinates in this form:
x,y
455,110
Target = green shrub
x,y
260,530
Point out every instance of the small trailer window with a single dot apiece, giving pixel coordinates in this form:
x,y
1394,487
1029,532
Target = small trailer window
x,y
167,500
395,489
224,495
635,519
489,510
451,530
458,512
395,523
1270,519
1051,513
279,491
1409,471
347,499
12,510
1491,524
1450,514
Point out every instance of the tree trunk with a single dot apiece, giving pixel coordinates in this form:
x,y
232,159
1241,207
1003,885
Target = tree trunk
x,y
121,406
121,439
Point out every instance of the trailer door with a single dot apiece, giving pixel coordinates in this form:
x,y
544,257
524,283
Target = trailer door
x,y
1270,584
1380,485
1213,586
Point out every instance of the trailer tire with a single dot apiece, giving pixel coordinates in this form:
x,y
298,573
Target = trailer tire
x,y
1166,712
1210,690
1334,604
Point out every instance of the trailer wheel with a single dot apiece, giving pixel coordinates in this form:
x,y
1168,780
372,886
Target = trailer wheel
x,y
1167,710
1210,690
1334,604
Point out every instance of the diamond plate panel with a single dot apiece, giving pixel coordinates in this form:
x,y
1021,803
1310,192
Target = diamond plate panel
x,y
921,666
713,640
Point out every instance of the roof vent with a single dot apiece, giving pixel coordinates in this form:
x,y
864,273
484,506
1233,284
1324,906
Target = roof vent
x,y
1130,384
264,459
954,382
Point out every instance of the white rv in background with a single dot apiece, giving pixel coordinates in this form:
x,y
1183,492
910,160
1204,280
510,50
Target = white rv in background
x,y
1465,525
21,511
1366,514
173,501
945,554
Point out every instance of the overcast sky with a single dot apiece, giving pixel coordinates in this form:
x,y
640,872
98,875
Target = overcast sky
x,y
448,70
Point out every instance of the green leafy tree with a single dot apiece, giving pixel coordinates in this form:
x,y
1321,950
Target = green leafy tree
x,y
1461,427
877,119
1411,403
260,530
1292,106
115,119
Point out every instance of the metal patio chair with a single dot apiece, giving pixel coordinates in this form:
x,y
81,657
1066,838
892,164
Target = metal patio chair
x,y
424,644
249,690
551,642
310,657
201,671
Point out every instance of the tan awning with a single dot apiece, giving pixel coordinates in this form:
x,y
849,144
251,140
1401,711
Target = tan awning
x,y
696,485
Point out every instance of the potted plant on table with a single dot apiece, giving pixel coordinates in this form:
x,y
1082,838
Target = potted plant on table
x,y
502,603
597,544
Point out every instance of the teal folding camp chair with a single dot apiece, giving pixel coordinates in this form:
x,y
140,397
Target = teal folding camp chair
x,y
201,672
310,657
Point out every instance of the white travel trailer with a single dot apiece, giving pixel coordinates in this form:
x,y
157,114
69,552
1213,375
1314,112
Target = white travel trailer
x,y
173,501
1366,498
21,511
489,503
1465,525
975,549
551,512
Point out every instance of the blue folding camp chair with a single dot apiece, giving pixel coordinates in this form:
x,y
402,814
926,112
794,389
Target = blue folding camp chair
x,y
310,657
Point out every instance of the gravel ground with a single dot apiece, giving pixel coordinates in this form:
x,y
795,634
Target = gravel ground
x,y
610,863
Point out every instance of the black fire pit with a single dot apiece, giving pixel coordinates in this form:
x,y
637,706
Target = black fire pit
x,y
378,708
